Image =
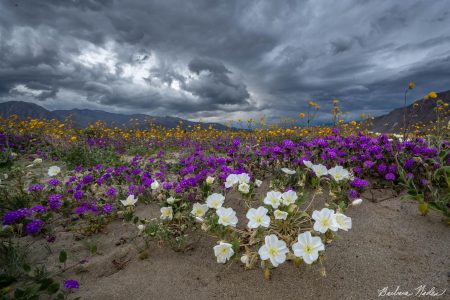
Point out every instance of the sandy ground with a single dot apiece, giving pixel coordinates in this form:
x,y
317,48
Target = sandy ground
x,y
390,245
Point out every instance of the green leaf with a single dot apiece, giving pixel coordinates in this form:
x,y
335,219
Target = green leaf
x,y
53,288
423,208
26,268
45,283
62,256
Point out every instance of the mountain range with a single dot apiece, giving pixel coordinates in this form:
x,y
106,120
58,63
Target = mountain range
x,y
84,117
393,121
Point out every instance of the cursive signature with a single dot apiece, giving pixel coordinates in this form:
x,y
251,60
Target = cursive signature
x,y
420,291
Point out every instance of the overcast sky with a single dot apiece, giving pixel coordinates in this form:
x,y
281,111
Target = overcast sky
x,y
220,60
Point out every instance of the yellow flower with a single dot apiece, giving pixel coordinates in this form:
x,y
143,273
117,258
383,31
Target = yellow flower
x,y
411,85
432,95
353,123
301,115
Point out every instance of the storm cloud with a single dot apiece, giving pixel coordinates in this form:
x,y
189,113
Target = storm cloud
x,y
218,61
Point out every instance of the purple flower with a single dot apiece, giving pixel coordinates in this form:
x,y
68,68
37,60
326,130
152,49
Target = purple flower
x,y
389,177
78,195
87,179
111,192
107,208
368,164
12,216
34,227
38,208
35,188
71,284
382,168
54,201
359,183
353,194
53,182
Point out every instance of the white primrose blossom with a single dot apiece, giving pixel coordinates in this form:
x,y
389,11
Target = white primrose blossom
x,y
289,197
37,161
258,217
288,171
324,220
199,210
343,222
357,202
227,216
166,213
231,180
273,198
280,215
244,188
320,170
154,185
171,200
243,178
339,173
223,252
273,249
209,180
307,247
215,200
308,164
130,201
258,182
53,171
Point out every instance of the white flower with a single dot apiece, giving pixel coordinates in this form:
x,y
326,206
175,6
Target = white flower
x,y
227,216
37,161
154,185
273,249
199,210
357,202
141,228
209,180
308,247
223,252
339,173
244,188
244,259
166,213
324,220
171,200
320,170
243,178
308,164
280,215
288,171
215,200
289,197
258,217
343,222
53,171
231,180
258,182
273,199
130,201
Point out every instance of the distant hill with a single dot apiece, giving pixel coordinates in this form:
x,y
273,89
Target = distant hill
x,y
84,117
393,121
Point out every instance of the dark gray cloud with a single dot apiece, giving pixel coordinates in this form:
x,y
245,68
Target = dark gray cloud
x,y
222,60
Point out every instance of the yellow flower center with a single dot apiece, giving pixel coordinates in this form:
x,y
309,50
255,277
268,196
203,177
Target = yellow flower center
x,y
273,251
325,222
308,249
